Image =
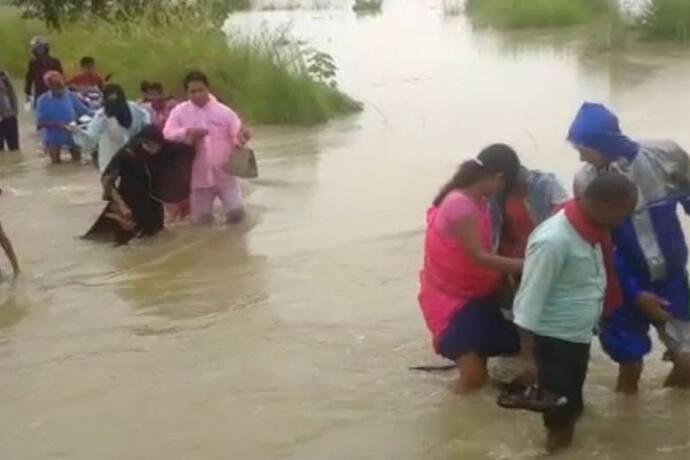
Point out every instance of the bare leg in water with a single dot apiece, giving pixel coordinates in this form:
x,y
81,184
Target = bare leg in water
x,y
76,154
679,377
473,373
629,375
54,154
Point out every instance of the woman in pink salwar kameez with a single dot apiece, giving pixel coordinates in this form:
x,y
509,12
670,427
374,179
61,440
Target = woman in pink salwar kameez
x,y
461,278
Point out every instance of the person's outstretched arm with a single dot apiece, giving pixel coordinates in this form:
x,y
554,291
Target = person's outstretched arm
x,y
467,231
9,251
90,137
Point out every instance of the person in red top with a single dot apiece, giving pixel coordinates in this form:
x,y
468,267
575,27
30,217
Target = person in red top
x,y
517,227
158,104
88,77
534,198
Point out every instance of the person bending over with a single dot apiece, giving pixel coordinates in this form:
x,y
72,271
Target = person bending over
x,y
461,277
650,248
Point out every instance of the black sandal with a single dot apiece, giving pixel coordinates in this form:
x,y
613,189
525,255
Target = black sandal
x,y
532,399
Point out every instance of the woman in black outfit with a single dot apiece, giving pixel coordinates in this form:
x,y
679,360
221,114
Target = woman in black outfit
x,y
129,184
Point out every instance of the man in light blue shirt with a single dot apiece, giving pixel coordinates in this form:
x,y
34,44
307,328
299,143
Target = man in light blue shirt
x,y
561,297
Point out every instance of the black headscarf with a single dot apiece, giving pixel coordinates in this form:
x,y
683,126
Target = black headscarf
x,y
117,108
170,169
150,133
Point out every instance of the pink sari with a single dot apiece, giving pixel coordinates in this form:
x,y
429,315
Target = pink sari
x,y
449,279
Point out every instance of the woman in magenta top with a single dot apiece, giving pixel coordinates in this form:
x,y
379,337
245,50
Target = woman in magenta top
x,y
461,278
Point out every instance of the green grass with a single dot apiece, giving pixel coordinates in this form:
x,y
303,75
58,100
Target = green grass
x,y
15,34
264,78
524,14
667,20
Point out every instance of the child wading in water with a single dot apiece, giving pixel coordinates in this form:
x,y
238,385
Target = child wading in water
x,y
461,278
568,281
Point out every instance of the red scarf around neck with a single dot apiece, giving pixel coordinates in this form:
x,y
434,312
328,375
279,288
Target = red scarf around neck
x,y
595,235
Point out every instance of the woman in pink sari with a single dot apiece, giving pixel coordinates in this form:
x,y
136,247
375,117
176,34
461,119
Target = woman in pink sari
x,y
461,278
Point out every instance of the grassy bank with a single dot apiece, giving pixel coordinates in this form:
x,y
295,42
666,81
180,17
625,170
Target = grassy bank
x,y
667,20
266,78
523,14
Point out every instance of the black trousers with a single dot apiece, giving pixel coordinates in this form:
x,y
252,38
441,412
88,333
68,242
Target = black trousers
x,y
562,370
9,134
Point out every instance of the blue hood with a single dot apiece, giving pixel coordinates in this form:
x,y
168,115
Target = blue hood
x,y
597,128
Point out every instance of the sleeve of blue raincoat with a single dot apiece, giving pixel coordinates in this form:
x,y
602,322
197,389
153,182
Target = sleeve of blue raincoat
x,y
627,282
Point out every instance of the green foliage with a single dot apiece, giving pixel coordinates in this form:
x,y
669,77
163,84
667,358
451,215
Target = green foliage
x,y
55,13
667,19
266,78
321,67
15,34
522,14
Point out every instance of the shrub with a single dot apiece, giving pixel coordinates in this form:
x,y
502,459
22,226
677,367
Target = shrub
x,y
667,19
521,14
266,78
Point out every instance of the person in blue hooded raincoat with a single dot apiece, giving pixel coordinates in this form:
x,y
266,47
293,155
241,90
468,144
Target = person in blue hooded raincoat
x,y
650,250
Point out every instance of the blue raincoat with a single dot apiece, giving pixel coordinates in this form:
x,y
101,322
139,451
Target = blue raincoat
x,y
650,249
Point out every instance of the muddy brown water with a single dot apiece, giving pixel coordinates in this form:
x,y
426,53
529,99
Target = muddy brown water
x,y
290,338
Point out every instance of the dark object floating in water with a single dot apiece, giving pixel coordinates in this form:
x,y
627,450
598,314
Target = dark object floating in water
x,y
440,368
367,5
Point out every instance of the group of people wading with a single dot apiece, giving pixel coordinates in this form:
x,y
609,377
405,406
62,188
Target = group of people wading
x,y
513,266
157,157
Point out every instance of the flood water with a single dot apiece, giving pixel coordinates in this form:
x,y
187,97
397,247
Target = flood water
x,y
291,337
